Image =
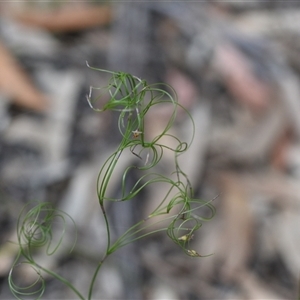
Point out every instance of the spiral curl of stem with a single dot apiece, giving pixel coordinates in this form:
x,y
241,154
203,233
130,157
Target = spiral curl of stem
x,y
35,229
134,98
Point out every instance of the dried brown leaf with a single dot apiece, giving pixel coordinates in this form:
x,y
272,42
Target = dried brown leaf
x,y
15,83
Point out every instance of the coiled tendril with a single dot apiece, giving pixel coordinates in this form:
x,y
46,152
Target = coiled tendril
x,y
42,226
134,98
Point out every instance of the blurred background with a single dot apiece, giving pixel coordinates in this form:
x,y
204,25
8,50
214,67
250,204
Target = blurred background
x,y
234,65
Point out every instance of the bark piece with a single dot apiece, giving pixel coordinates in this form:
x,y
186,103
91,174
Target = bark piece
x,y
67,19
237,73
237,235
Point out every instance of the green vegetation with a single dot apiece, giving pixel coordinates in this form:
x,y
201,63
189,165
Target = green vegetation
x,y
178,213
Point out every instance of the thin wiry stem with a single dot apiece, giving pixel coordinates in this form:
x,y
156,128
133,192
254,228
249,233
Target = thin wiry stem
x,y
133,98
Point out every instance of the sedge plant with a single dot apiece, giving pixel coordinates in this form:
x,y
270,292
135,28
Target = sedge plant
x,y
133,99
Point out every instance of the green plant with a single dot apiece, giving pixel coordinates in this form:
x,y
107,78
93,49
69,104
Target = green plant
x,y
133,98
